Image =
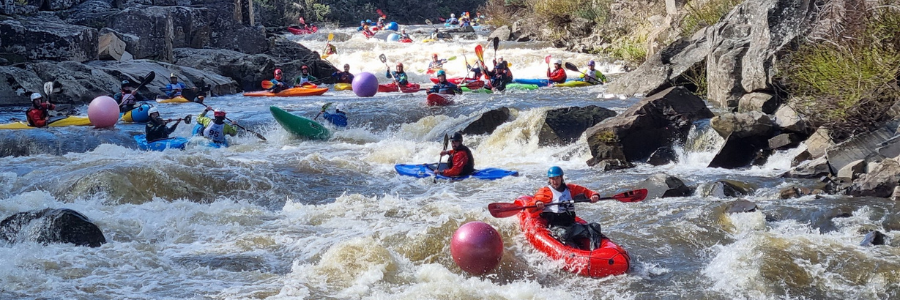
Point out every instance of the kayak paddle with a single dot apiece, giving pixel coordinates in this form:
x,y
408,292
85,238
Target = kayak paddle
x,y
266,84
384,60
587,78
260,136
186,119
324,108
503,209
496,43
330,37
144,82
446,139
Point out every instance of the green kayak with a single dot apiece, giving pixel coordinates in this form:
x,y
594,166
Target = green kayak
x,y
481,90
300,126
521,86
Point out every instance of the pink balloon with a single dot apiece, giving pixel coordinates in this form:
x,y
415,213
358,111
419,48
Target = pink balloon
x,y
103,112
476,247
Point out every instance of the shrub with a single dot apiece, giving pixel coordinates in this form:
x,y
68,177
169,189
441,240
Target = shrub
x,y
702,15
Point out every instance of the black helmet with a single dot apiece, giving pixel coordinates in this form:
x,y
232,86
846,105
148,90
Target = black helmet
x,y
457,137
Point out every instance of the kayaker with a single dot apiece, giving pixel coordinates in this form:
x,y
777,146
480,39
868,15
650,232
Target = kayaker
x,y
561,218
452,20
436,63
304,77
558,75
435,35
404,35
38,115
464,21
461,161
500,77
330,49
399,75
173,88
362,24
343,77
338,118
216,129
476,71
156,127
443,86
368,33
127,97
380,23
594,76
277,84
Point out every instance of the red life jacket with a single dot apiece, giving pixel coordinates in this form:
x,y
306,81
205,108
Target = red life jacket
x,y
37,117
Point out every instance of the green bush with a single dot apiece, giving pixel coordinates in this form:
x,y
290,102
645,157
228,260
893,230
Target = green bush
x,y
631,49
699,16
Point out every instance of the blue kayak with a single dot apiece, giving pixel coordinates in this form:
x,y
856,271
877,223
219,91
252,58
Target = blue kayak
x,y
137,115
160,145
538,82
427,170
198,131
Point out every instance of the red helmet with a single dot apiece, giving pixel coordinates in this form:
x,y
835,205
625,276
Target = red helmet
x,y
219,113
399,64
277,72
434,55
304,68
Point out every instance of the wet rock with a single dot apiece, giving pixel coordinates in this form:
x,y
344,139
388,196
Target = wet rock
x,y
819,142
879,181
725,188
111,47
503,33
789,121
662,156
36,39
291,55
794,192
784,141
612,164
743,125
852,170
191,77
874,238
858,147
664,186
152,28
810,169
246,70
565,125
249,40
487,122
890,148
803,156
739,152
653,122
666,66
760,102
18,83
741,206
51,226
80,83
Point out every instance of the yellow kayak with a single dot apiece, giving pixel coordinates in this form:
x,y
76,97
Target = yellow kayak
x,y
324,56
428,40
178,99
343,87
69,121
573,83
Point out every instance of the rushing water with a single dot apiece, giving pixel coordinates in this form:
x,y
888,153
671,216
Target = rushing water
x,y
290,219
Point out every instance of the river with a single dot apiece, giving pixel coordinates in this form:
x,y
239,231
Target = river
x,y
298,219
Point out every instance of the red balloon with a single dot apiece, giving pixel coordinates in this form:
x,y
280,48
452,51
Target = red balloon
x,y
476,247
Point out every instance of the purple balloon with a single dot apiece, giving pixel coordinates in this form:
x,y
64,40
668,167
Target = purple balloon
x,y
365,84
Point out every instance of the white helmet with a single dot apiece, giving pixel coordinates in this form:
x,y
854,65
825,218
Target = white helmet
x,y
453,15
152,110
558,61
35,96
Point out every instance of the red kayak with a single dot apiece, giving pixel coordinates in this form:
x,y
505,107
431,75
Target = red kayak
x,y
392,87
436,99
463,82
300,30
368,34
406,40
454,80
609,259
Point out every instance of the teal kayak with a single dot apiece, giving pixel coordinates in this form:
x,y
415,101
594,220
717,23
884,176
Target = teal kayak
x,y
300,126
481,90
521,86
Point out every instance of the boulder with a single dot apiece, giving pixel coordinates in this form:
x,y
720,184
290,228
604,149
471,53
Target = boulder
x,y
487,122
890,148
741,206
152,28
60,4
565,125
17,85
662,156
793,192
879,181
852,170
743,125
51,226
664,186
190,27
784,141
91,13
745,44
612,164
761,102
653,122
289,52
858,147
503,33
111,47
815,168
819,142
874,238
80,83
803,156
789,121
665,67
725,188
739,151
246,70
579,27
191,77
36,39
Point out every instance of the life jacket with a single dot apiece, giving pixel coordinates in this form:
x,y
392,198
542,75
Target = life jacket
x,y
303,79
37,117
215,132
558,197
469,168
173,90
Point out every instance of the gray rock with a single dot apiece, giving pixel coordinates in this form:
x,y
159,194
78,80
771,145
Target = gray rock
x,y
852,170
738,152
612,164
565,125
662,156
890,148
762,102
793,192
246,70
784,141
653,122
17,85
858,147
191,77
487,122
153,28
879,181
664,186
51,226
39,39
788,120
580,27
111,47
819,142
815,168
874,238
664,67
503,33
741,206
803,156
249,40
80,83
60,4
743,125
725,189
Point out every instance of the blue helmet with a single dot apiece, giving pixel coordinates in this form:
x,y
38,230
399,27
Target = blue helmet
x,y
441,72
591,63
554,171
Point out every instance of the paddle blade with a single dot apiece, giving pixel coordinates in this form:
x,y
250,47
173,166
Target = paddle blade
x,y
630,196
479,51
446,140
326,106
571,67
380,13
187,119
547,59
383,58
504,210
496,42
267,84
474,85
330,36
451,58
427,21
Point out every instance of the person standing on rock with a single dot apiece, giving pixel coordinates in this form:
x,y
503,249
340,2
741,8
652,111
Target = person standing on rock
x,y
127,97
174,88
156,127
499,77
461,161
593,76
277,83
399,75
558,75
443,86
39,115
561,218
343,77
304,78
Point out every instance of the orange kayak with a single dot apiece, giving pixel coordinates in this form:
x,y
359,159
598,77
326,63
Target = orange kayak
x,y
291,92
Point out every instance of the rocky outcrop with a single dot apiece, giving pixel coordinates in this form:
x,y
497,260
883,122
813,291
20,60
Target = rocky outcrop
x,y
819,142
565,125
111,47
662,156
80,83
880,181
36,39
790,121
664,186
815,168
18,83
503,33
487,122
246,70
763,102
741,206
746,134
191,77
51,226
654,122
665,68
